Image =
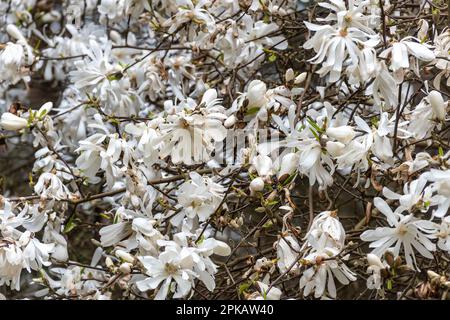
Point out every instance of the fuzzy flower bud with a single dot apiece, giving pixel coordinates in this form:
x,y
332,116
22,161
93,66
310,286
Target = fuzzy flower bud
x,y
10,121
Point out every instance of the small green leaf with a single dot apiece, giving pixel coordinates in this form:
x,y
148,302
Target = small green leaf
x,y
70,224
252,111
272,57
389,284
244,287
315,134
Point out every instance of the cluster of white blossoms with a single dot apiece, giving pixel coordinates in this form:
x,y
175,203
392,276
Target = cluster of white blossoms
x,y
224,149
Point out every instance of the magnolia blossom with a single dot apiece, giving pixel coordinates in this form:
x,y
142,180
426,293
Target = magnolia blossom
x,y
374,281
199,198
326,228
400,52
426,115
333,45
189,136
404,231
319,279
288,252
190,150
171,265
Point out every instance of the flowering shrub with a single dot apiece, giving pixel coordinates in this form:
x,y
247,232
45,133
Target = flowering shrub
x,y
224,149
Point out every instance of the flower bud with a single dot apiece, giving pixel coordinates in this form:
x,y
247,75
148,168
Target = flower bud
x,y
374,260
257,185
422,33
288,165
10,121
222,249
14,32
45,108
125,268
51,16
124,256
389,257
209,96
300,78
230,121
262,164
255,94
289,75
334,148
109,263
437,104
343,134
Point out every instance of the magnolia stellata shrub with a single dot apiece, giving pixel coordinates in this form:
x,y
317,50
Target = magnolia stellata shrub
x,y
257,149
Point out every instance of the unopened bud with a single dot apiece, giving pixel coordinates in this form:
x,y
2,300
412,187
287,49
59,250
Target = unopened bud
x,y
300,78
230,121
257,185
289,75
125,268
124,256
109,263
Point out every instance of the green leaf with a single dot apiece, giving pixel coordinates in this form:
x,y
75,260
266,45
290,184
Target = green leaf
x,y
313,124
389,284
315,134
70,224
271,203
252,111
289,179
244,287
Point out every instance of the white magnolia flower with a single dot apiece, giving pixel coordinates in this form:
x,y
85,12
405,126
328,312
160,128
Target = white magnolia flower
x,y
111,8
404,231
441,185
426,115
95,72
16,58
320,277
172,268
356,151
256,185
198,198
374,281
191,11
326,228
263,165
190,135
334,44
382,147
401,51
437,105
50,185
311,163
415,195
288,252
20,250
353,16
178,266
